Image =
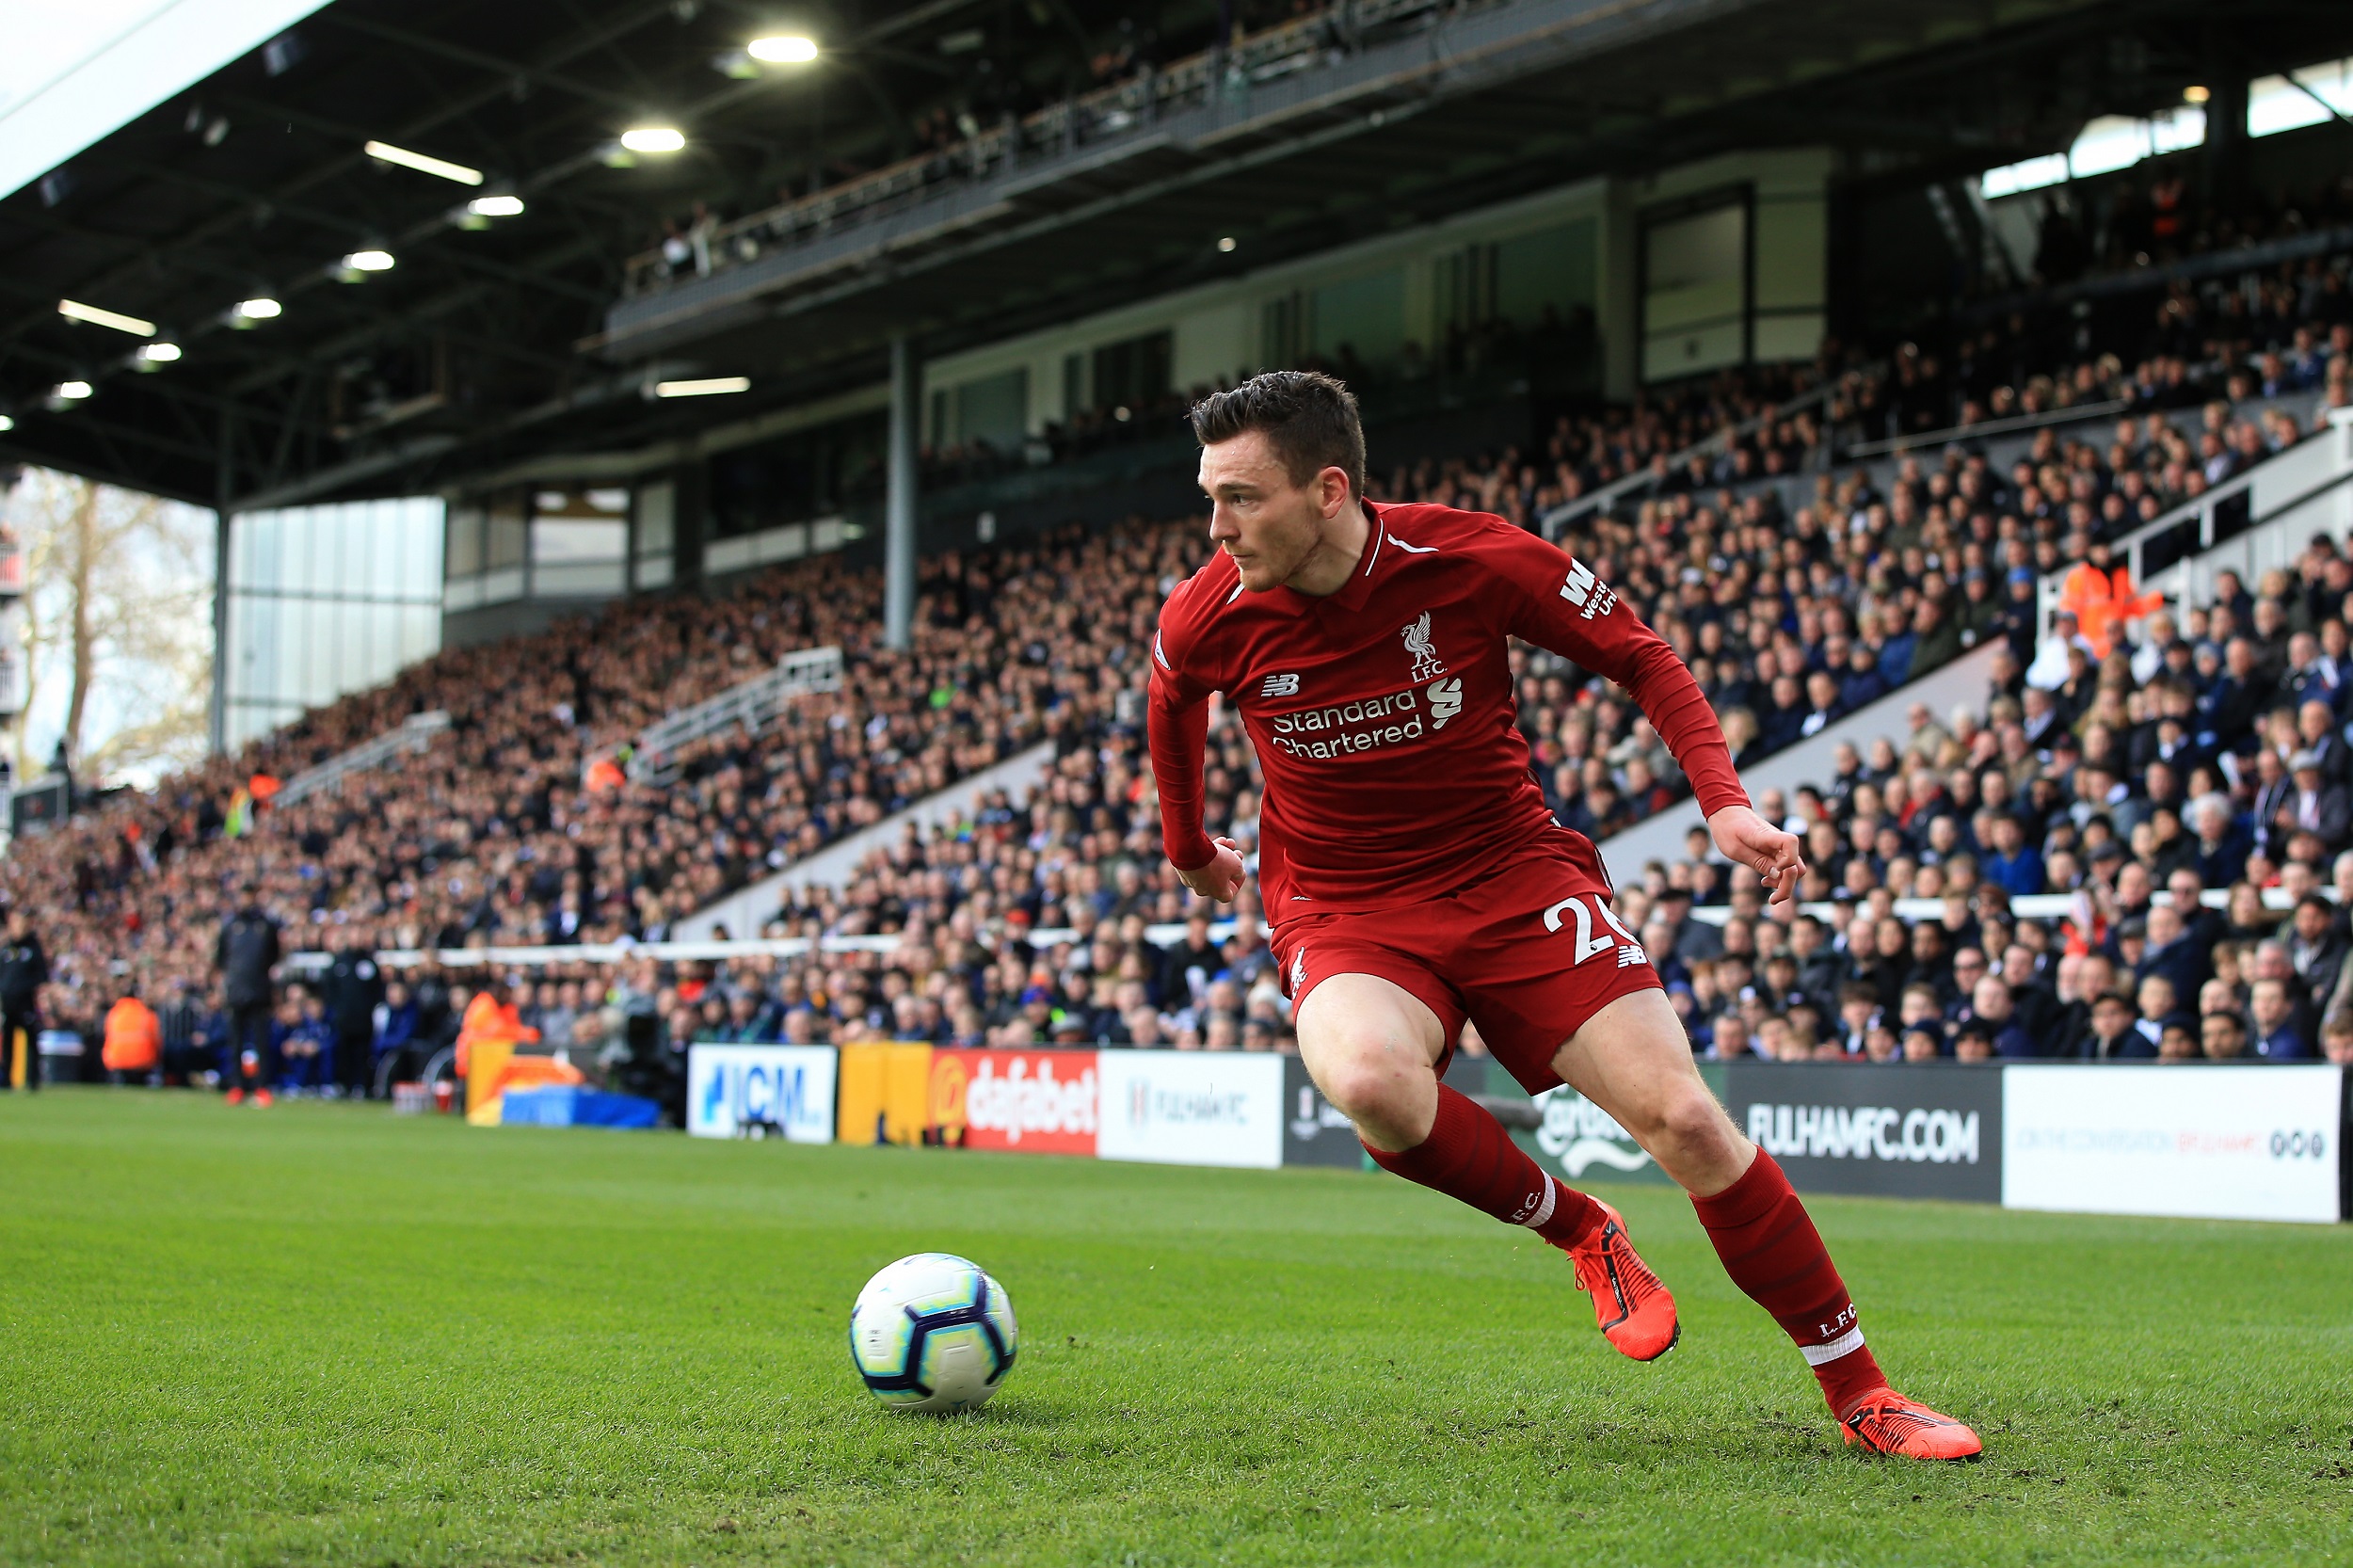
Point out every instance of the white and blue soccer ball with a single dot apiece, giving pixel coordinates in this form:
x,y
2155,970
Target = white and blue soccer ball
x,y
932,1332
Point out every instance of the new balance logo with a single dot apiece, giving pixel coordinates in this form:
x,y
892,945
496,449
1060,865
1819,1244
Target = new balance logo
x,y
1445,700
1588,592
1280,686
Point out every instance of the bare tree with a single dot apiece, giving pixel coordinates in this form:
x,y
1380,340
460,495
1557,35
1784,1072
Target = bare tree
x,y
119,587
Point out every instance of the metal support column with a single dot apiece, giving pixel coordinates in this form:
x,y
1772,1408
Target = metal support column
x,y
217,713
907,405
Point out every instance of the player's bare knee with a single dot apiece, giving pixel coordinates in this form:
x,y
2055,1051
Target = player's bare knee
x,y
1688,1127
1362,1077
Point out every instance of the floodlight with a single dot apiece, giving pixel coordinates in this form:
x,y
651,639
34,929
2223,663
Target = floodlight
x,y
495,206
76,310
788,49
72,392
706,387
259,308
160,353
368,260
386,152
653,138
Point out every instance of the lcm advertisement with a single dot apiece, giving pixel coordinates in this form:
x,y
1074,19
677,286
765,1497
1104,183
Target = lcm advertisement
x,y
785,1091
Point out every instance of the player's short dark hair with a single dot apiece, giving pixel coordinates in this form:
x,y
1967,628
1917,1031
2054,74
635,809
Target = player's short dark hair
x,y
1308,418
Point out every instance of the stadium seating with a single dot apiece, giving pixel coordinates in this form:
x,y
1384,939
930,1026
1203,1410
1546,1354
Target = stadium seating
x,y
2182,802
1882,567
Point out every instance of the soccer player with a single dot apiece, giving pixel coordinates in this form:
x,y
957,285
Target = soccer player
x,y
1414,878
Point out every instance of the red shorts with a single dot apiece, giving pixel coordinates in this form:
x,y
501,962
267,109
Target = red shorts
x,y
1527,953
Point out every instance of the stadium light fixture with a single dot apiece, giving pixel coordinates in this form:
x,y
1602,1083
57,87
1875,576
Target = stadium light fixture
x,y
653,138
160,353
496,206
2196,94
785,48
707,386
6,424
384,152
1226,245
75,311
368,261
72,392
259,308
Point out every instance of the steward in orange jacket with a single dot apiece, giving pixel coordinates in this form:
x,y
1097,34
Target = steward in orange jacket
x,y
135,1039
2101,597
487,1018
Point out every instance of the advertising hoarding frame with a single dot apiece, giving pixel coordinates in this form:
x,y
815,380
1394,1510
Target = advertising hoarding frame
x,y
1036,1101
727,1084
1871,1129
2221,1141
1192,1108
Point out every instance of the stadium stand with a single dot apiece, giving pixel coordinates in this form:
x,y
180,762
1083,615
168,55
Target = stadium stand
x,y
1036,919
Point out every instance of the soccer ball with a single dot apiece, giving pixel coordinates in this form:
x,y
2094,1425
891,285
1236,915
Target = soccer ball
x,y
932,1332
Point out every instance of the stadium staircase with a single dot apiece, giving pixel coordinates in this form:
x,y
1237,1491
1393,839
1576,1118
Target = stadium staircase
x,y
750,705
743,912
414,736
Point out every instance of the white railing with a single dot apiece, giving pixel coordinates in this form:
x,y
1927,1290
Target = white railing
x,y
2249,524
752,906
703,951
1610,495
414,735
751,705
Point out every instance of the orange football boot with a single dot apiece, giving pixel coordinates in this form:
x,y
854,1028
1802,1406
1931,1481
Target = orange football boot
x,y
1887,1423
1635,1312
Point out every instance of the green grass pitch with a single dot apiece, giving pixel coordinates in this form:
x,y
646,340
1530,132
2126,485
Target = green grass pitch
x,y
324,1335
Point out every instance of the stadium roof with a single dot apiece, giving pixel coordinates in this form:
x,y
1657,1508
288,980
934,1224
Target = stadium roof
x,y
495,339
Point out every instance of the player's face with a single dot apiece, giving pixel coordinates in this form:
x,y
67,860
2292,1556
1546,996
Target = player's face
x,y
1257,516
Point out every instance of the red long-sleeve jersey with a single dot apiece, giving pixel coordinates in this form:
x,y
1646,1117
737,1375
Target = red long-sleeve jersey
x,y
1383,713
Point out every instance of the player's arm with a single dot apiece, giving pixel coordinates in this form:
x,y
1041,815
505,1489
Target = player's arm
x,y
1177,719
1561,606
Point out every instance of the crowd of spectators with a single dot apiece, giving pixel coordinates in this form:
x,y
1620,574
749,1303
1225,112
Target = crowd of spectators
x,y
1797,590
2068,837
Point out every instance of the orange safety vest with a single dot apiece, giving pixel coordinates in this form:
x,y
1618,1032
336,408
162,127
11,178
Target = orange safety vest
x,y
486,1018
134,1040
2101,602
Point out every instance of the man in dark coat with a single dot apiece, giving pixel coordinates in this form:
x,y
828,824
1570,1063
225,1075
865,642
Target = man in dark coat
x,y
246,954
23,970
353,986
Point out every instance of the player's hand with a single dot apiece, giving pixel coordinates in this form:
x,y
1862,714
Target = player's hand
x,y
1746,839
1221,879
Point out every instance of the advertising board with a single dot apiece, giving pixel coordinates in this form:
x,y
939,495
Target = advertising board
x,y
1192,1108
1912,1130
782,1090
2226,1142
1580,1142
1314,1131
1041,1101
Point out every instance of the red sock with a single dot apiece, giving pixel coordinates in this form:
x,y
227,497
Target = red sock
x,y
1469,1156
1773,1251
